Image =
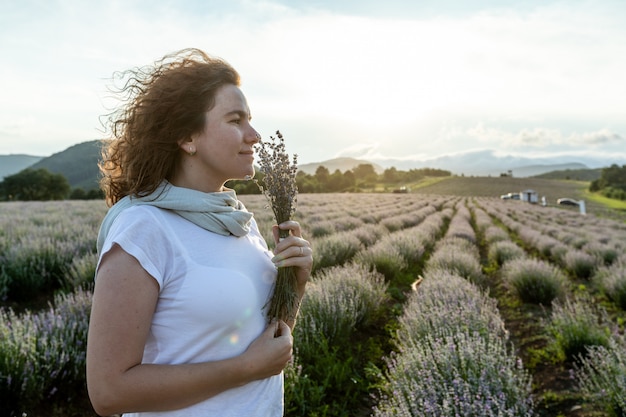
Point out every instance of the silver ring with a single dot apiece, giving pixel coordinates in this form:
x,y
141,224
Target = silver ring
x,y
301,251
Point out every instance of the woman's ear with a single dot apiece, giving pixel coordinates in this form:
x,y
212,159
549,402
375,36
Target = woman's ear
x,y
187,145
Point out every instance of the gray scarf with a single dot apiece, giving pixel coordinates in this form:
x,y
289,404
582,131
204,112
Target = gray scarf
x,y
219,212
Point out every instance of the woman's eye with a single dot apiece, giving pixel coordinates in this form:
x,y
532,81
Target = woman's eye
x,y
236,121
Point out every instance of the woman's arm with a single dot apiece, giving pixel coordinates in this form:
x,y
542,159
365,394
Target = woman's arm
x,y
124,301
294,251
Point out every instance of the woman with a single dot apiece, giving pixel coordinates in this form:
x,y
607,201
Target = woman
x,y
178,321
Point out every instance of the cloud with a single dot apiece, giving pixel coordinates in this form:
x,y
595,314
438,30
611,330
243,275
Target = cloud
x,y
601,137
359,150
540,137
535,137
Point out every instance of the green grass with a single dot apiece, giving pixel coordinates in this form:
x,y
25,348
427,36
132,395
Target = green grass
x,y
605,201
426,182
412,186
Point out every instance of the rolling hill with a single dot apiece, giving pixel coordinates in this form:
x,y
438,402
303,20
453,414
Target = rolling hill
x,y
11,164
573,174
485,163
78,163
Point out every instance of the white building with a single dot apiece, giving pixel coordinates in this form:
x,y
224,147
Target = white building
x,y
530,196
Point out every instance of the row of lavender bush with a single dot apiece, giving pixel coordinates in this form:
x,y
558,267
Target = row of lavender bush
x,y
42,355
561,237
341,302
39,242
347,301
454,356
580,330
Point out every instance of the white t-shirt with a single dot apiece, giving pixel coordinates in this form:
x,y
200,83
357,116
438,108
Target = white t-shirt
x,y
212,290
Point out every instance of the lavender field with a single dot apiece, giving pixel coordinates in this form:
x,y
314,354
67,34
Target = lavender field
x,y
419,305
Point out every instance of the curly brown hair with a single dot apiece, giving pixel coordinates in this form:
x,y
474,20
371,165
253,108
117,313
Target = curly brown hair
x,y
162,105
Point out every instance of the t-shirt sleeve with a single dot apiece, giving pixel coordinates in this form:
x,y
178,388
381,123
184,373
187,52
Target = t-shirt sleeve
x,y
138,231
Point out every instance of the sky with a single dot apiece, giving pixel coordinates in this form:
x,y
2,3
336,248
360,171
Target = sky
x,y
368,79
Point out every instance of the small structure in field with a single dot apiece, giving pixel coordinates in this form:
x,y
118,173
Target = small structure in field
x,y
530,196
510,196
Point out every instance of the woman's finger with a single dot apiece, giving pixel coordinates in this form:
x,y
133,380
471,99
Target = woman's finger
x,y
293,226
283,330
292,247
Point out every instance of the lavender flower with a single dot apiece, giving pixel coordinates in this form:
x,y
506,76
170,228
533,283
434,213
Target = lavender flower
x,y
280,189
279,180
576,324
580,263
534,280
461,374
503,251
612,280
602,375
340,300
444,304
335,249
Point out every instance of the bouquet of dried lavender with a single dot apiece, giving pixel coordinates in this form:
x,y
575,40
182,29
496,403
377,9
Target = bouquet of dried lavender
x,y
279,187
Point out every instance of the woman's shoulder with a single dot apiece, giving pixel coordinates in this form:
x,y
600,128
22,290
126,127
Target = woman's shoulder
x,y
143,212
148,220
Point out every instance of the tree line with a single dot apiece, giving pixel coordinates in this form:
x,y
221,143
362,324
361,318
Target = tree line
x,y
42,185
361,178
612,182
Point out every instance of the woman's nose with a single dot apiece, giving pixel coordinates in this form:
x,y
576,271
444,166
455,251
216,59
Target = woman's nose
x,y
254,136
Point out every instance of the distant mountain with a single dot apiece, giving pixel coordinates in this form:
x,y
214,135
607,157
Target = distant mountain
x,y
488,163
341,164
573,174
12,164
536,170
78,163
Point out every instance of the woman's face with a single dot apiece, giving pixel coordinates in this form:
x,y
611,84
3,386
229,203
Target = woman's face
x,y
224,149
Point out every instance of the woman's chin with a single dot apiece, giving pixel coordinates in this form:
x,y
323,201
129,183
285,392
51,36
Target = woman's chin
x,y
244,176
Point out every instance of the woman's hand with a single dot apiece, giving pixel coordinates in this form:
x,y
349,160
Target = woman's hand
x,y
270,353
293,251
